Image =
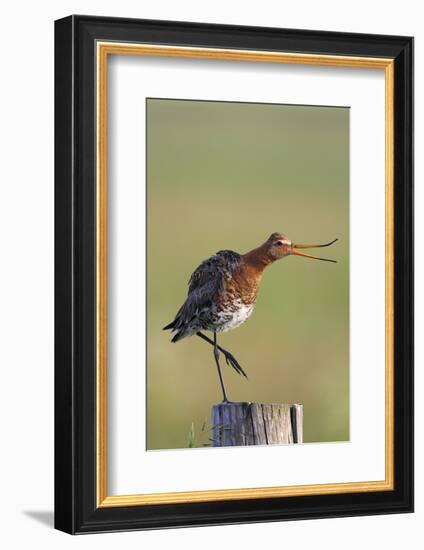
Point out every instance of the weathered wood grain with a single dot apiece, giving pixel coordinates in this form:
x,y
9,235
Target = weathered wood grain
x,y
240,424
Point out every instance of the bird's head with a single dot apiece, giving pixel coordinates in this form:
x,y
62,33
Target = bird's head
x,y
279,246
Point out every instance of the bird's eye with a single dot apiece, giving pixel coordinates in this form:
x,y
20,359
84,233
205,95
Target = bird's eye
x,y
279,243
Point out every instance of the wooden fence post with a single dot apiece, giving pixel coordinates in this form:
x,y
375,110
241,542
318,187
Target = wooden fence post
x,y
239,424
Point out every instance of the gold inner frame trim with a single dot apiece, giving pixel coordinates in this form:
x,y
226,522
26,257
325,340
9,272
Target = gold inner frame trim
x,y
104,49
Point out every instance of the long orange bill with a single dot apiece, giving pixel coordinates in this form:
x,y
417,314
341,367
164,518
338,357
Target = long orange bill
x,y
314,245
296,253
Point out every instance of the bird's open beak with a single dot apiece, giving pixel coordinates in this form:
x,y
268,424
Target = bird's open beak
x,y
297,246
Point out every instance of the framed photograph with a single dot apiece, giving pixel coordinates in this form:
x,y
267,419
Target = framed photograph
x,y
234,269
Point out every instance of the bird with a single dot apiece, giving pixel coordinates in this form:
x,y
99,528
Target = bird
x,y
222,293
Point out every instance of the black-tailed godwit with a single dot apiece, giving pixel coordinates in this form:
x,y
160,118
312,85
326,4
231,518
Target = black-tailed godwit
x,y
222,293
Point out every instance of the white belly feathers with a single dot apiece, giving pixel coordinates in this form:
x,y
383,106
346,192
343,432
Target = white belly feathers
x,y
230,320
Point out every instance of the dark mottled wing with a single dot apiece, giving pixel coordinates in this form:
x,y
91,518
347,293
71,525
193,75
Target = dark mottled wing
x,y
214,269
204,284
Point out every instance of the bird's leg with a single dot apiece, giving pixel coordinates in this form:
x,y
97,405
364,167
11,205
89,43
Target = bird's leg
x,y
229,357
218,366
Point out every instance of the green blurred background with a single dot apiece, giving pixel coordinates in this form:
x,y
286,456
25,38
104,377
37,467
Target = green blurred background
x,y
225,176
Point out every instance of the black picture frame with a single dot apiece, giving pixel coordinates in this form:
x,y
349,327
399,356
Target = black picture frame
x,y
76,510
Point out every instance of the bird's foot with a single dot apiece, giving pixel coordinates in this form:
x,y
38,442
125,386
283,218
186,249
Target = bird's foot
x,y
232,362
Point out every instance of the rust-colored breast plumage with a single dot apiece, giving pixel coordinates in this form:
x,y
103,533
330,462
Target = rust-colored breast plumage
x,y
243,285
